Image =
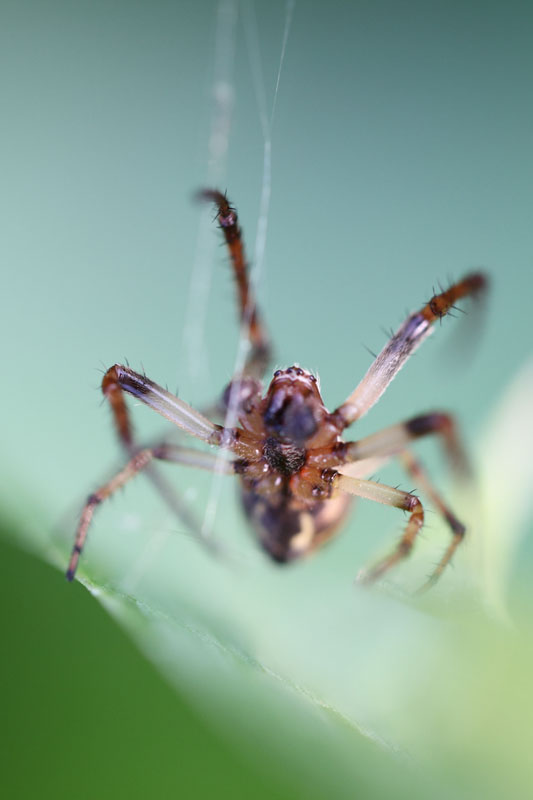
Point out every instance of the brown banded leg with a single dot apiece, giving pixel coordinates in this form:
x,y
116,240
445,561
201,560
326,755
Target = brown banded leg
x,y
413,466
393,441
396,438
260,350
181,414
115,394
116,383
402,345
389,496
139,462
119,379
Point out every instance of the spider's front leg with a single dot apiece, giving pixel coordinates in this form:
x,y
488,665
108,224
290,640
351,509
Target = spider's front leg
x,y
119,380
260,351
402,345
114,392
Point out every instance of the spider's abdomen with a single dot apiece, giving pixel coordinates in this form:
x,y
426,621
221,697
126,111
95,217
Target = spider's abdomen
x,y
287,528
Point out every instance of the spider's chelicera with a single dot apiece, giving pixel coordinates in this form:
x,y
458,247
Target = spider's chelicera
x,y
297,474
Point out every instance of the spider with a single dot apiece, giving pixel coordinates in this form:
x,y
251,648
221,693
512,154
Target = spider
x,y
297,474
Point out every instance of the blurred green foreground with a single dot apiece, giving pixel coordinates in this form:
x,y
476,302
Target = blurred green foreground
x,y
84,715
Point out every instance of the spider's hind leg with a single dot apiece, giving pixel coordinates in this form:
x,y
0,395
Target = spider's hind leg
x,y
394,441
141,461
414,467
408,502
389,496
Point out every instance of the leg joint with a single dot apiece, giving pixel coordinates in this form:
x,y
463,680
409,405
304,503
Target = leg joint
x,y
457,527
110,381
435,422
413,504
404,547
94,499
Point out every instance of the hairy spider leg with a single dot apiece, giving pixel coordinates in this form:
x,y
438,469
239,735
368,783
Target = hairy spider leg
x,y
260,352
395,438
114,394
139,462
414,467
380,493
178,412
402,345
119,379
393,441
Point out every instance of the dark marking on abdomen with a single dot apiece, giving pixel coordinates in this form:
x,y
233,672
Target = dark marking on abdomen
x,y
279,523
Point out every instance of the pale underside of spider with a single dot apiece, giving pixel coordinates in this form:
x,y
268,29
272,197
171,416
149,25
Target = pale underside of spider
x,y
286,448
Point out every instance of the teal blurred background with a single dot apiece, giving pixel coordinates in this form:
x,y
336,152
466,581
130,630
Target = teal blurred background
x,y
401,155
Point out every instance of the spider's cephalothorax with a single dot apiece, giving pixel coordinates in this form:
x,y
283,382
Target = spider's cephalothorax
x,y
289,420
293,410
297,474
